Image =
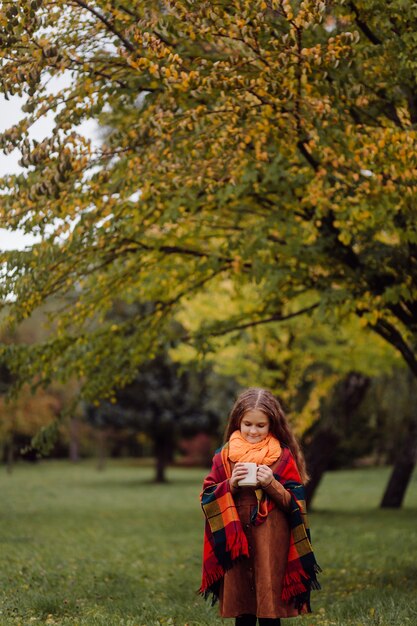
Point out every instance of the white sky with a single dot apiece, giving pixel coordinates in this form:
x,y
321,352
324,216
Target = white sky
x,y
10,113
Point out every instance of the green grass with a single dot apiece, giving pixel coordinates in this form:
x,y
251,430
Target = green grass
x,y
81,547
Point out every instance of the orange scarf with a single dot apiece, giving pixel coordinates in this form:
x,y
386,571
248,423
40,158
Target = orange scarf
x,y
264,452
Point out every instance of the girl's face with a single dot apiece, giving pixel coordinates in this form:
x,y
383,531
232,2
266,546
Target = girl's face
x,y
254,425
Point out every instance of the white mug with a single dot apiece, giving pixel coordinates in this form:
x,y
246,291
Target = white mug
x,y
250,479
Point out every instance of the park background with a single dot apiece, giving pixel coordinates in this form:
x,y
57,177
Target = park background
x,y
196,198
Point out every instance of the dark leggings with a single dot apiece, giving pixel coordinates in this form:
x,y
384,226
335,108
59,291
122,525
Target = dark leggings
x,y
250,620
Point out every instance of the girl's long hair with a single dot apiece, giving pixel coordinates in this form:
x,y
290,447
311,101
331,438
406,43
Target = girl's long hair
x,y
257,398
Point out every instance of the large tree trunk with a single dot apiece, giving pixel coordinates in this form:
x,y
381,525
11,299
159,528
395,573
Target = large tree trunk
x,y
318,458
163,455
101,449
74,444
402,471
10,455
321,448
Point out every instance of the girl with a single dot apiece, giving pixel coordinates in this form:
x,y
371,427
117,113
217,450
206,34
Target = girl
x,y
257,557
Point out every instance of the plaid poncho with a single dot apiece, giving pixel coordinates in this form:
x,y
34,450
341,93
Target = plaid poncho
x,y
225,541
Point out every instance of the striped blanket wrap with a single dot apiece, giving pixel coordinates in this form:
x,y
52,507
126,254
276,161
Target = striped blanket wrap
x,y
225,541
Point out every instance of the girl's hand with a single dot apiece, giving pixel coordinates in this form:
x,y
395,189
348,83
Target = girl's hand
x,y
264,475
239,471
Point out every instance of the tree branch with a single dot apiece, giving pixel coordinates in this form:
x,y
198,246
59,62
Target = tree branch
x,y
96,72
363,26
273,318
407,318
388,332
106,22
307,155
161,305
127,10
339,249
178,250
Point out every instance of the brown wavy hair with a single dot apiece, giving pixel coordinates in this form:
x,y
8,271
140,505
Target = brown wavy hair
x,y
265,401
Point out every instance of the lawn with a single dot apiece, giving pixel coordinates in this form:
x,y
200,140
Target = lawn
x,y
82,547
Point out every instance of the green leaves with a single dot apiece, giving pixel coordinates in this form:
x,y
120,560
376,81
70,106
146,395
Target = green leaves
x,y
267,145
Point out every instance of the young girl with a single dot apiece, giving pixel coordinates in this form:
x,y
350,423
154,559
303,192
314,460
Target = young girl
x,y
257,557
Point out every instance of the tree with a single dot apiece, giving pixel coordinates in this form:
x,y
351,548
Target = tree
x,y
389,409
325,436
301,359
22,419
164,401
320,373
267,142
30,415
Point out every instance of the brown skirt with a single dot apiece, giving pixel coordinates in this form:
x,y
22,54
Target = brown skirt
x,y
254,585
